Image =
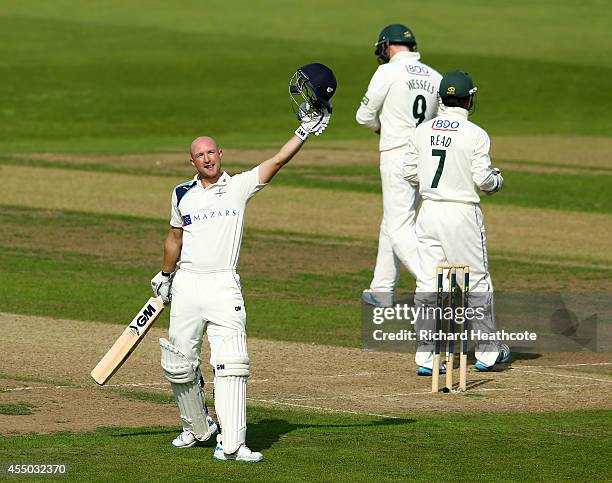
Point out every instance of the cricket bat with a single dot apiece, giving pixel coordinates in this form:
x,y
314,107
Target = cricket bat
x,y
128,341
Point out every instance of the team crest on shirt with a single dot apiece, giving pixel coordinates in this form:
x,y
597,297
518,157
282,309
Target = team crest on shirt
x,y
220,192
186,220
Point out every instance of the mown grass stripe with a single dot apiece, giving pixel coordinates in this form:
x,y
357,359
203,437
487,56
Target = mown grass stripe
x,y
563,192
561,240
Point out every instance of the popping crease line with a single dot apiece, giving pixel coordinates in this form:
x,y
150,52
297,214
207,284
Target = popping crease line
x,y
319,408
573,365
609,381
425,393
154,384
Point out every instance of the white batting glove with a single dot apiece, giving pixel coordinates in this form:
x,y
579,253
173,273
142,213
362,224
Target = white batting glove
x,y
312,122
161,284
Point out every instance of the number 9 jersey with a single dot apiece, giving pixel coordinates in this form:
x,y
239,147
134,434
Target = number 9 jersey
x,y
401,95
449,159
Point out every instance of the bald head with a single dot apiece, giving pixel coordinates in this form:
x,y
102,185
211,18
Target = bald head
x,y
203,143
206,159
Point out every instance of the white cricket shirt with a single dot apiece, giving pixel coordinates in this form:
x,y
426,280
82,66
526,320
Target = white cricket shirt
x,y
449,158
402,94
212,220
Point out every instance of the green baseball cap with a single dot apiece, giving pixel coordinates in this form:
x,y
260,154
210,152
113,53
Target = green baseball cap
x,y
456,84
397,34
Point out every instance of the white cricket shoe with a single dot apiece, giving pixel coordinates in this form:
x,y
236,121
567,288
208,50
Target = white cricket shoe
x,y
377,299
185,440
188,440
244,454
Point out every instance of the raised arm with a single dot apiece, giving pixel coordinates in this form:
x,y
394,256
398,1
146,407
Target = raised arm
x,y
310,90
271,166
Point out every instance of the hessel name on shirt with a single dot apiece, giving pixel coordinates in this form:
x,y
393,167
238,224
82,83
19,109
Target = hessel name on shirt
x,y
208,215
421,84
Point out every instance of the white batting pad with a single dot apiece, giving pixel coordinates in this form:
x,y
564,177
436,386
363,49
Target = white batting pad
x,y
231,363
230,404
231,357
184,379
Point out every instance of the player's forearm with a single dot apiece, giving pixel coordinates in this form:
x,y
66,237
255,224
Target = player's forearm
x,y
368,118
289,150
270,167
172,250
410,170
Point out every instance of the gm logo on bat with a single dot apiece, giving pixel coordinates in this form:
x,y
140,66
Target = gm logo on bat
x,y
142,318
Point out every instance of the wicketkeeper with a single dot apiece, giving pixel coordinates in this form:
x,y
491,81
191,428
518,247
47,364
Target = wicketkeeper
x,y
449,161
199,275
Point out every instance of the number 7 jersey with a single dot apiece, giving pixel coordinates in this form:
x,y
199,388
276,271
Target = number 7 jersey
x,y
449,158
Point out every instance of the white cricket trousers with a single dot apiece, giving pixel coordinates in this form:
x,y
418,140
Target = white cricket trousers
x,y
397,239
454,233
449,233
213,302
210,302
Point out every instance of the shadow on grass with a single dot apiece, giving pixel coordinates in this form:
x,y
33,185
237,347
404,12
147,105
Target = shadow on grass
x,y
262,434
265,432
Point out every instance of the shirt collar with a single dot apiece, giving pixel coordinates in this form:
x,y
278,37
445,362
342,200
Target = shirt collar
x,y
223,180
406,55
455,111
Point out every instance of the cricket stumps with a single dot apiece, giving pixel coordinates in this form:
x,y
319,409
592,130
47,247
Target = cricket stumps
x,y
457,296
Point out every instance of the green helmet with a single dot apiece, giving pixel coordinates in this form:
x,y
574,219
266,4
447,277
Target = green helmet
x,y
392,34
456,84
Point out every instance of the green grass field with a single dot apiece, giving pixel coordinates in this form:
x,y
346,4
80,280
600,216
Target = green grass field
x,y
306,447
98,105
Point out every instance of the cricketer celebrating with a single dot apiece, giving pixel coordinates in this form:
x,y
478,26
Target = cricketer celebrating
x,y
449,161
402,94
199,275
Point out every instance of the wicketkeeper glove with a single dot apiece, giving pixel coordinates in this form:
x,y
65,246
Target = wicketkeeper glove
x,y
312,121
161,284
494,182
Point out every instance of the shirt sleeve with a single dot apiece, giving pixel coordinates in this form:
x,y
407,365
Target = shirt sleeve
x,y
483,174
249,182
372,102
410,164
175,215
481,161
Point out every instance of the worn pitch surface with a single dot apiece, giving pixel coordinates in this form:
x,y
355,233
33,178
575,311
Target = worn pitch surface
x,y
61,353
